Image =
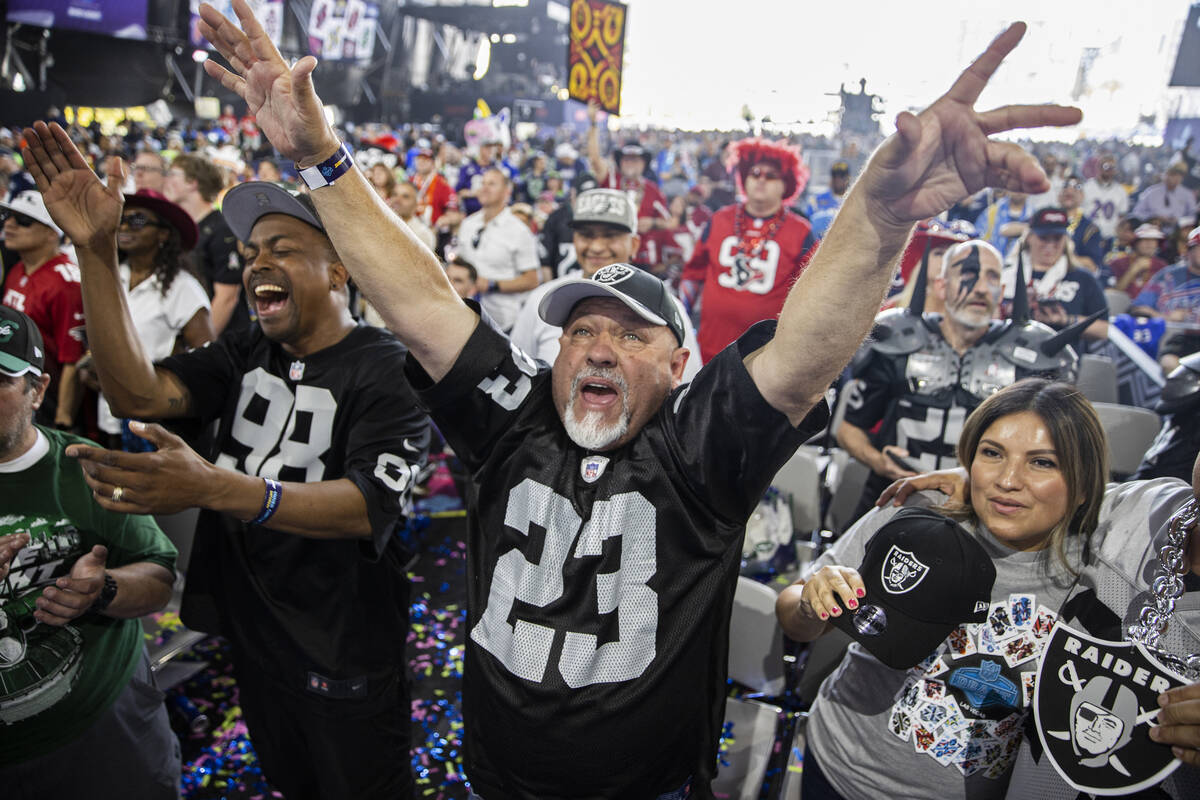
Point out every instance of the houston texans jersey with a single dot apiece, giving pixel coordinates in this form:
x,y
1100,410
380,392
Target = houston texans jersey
x,y
600,584
740,291
335,607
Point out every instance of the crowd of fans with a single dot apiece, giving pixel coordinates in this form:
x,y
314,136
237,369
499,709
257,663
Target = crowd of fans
x,y
206,284
503,210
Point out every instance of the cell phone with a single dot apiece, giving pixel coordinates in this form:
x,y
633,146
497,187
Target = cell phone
x,y
901,461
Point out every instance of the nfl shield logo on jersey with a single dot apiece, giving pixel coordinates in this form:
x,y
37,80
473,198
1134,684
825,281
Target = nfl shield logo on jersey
x,y
297,370
1094,704
901,571
592,467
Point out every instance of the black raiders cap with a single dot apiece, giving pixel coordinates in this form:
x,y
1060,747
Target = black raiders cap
x,y
924,575
246,203
21,348
644,294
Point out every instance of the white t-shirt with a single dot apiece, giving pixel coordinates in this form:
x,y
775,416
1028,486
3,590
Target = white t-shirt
x,y
158,320
1105,205
539,339
501,249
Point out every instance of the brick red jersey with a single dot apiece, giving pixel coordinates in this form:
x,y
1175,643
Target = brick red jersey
x,y
650,203
53,299
736,296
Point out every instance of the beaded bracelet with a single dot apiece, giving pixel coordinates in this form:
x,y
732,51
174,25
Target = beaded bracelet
x,y
270,501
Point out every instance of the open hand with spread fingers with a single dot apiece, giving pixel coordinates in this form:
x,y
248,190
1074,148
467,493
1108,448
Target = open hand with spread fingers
x,y
943,154
281,98
79,202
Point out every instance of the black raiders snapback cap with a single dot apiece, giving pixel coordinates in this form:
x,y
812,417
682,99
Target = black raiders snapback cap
x,y
925,575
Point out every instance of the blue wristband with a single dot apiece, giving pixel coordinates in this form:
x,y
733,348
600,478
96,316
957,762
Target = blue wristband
x,y
270,501
328,171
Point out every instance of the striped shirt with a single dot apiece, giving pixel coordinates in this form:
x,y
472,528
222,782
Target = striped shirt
x,y
1173,288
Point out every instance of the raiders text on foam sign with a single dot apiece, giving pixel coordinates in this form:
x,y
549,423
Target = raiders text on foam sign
x,y
1094,705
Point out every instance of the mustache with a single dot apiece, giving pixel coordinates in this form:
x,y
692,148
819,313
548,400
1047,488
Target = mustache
x,y
604,373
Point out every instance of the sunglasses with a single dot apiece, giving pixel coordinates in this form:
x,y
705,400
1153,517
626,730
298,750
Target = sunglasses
x,y
138,221
16,217
765,174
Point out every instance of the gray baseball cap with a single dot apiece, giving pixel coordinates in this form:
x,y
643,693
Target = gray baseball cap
x,y
610,206
644,295
246,203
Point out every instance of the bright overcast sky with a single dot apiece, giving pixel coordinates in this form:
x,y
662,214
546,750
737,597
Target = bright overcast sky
x,y
694,65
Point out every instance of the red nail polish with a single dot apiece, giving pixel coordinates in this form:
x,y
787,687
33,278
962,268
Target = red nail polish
x,y
835,611
824,615
859,592
852,604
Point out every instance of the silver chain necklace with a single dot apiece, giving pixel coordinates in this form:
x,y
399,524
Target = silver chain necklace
x,y
1166,589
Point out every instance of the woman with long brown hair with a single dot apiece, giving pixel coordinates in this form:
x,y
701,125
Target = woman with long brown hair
x,y
1036,456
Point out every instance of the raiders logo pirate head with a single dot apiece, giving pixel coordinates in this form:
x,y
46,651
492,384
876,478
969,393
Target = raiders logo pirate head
x,y
924,575
1094,704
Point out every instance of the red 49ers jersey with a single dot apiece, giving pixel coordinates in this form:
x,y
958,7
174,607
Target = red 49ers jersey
x,y
735,296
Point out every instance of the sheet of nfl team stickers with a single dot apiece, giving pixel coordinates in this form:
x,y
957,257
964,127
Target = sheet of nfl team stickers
x,y
964,705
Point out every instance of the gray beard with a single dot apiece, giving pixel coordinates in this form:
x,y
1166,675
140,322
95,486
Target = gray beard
x,y
592,432
963,319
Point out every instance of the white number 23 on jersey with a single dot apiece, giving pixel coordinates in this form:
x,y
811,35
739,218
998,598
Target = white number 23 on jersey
x,y
524,647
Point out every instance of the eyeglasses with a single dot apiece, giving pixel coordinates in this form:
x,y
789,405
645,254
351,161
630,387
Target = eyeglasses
x,y
138,221
16,217
765,174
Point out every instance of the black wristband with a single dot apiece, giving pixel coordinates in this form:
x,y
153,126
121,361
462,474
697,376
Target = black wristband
x,y
107,593
493,286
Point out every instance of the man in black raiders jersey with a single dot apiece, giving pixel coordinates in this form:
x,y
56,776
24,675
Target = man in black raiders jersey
x,y
608,502
319,440
921,374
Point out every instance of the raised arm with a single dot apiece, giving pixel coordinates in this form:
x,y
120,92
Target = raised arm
x,y
933,160
399,276
597,162
89,212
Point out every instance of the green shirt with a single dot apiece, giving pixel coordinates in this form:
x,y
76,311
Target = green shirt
x,y
55,681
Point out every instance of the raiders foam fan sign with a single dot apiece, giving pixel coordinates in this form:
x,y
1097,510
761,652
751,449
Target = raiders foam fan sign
x,y
1094,705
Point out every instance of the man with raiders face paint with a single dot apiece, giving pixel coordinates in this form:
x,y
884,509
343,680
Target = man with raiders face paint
x,y
608,503
920,375
319,439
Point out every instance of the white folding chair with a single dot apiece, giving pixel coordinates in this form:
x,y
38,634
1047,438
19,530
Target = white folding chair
x,y
1118,301
848,486
1130,430
800,478
755,639
743,764
1097,379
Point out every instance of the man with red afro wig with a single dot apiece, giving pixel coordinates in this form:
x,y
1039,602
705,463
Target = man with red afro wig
x,y
752,250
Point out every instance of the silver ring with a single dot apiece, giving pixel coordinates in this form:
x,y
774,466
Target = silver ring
x,y
117,494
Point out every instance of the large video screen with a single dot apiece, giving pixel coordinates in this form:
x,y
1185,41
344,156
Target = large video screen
x,y
125,19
